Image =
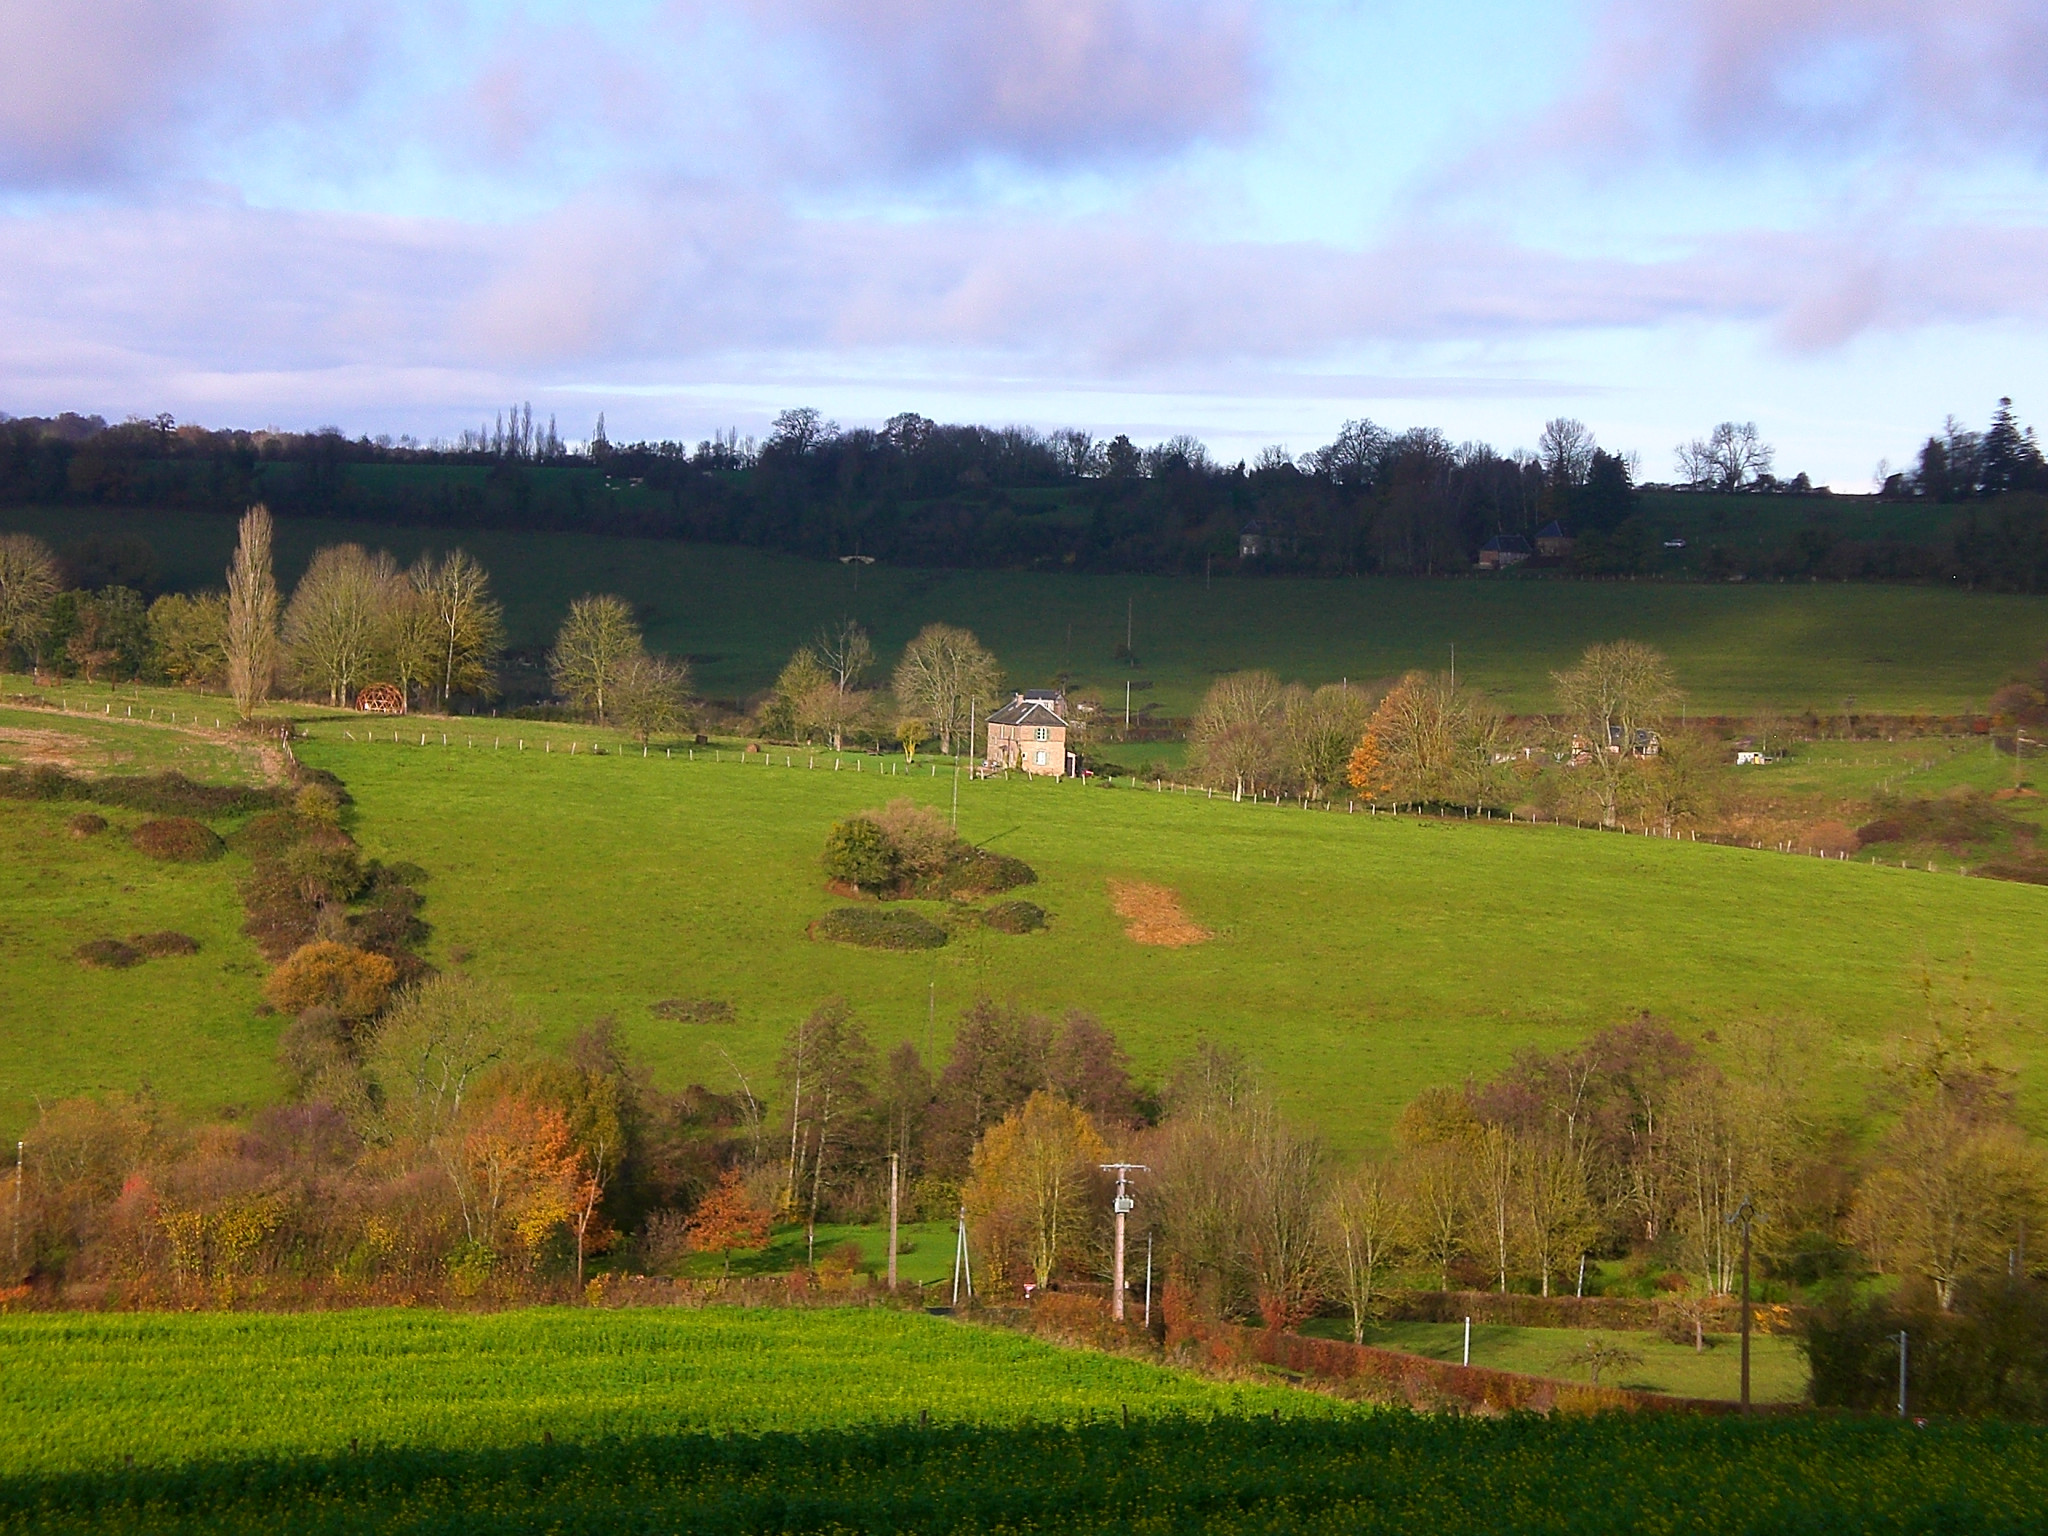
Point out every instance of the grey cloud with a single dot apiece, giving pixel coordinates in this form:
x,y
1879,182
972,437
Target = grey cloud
x,y
1048,82
1923,76
93,90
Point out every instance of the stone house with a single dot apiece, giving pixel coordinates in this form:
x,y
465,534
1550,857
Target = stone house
x,y
1030,733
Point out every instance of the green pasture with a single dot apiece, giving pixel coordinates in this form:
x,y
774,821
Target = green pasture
x,y
1356,959
184,1026
738,613
86,1390
1778,1372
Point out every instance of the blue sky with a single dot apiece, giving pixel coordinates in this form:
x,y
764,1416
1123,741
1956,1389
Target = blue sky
x,y
1245,220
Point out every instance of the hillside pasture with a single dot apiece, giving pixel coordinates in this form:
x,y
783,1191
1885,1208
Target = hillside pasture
x,y
1356,959
738,613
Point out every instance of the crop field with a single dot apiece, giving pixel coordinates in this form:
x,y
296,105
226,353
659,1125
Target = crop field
x,y
86,1391
1355,1473
738,613
1356,959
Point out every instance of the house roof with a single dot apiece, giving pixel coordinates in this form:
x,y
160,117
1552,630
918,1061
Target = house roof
x,y
1507,544
1552,530
1025,712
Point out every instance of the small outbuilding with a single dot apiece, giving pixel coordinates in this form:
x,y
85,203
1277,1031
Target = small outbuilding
x,y
1552,542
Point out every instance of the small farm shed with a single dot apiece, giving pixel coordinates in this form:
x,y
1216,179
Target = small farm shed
x,y
1030,733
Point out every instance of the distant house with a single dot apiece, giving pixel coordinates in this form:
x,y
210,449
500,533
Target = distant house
x,y
1647,744
1552,542
1031,733
1507,549
1251,540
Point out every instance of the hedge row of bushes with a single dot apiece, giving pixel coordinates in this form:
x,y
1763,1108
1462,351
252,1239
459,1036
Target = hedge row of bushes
x,y
168,793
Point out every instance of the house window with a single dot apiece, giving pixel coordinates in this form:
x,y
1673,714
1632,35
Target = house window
x,y
1041,759
1044,733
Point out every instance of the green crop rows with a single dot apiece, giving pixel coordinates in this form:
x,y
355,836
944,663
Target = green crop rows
x,y
1383,1473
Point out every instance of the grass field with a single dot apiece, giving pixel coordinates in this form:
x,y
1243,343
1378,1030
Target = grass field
x,y
1356,959
739,613
1778,1372
85,1391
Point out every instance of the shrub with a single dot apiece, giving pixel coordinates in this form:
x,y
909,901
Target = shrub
x,y
1014,917
159,794
159,945
178,838
872,928
107,955
859,853
87,824
922,841
352,982
975,871
694,1010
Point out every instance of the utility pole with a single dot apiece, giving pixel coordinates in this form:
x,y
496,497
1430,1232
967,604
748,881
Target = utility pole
x,y
16,1247
1127,703
1122,1207
893,1161
1902,1373
1454,663
1744,1215
961,1264
931,1014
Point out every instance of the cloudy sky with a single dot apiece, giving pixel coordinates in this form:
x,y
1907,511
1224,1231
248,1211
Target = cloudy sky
x,y
1243,219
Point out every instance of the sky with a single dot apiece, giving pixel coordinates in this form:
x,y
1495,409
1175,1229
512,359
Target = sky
x,y
1246,220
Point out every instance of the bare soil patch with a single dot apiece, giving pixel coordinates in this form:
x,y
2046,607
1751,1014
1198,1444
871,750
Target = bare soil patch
x,y
1152,915
57,749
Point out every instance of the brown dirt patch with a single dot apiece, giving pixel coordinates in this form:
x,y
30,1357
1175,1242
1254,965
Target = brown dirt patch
x,y
55,749
1152,915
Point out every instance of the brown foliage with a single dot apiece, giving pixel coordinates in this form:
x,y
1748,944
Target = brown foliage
x,y
179,839
1152,915
107,955
352,982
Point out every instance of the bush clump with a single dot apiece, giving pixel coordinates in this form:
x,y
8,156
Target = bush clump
x,y
874,929
158,946
168,793
87,824
1014,917
107,955
906,850
352,982
694,1010
178,838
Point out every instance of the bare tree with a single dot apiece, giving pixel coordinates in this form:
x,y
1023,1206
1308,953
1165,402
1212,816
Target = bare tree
x,y
595,642
847,655
1234,741
648,694
1496,1189
1365,1239
1318,732
439,1036
1557,1216
469,627
1953,1190
332,624
1730,457
1282,1169
28,581
944,676
828,1066
252,614
1612,700
1566,449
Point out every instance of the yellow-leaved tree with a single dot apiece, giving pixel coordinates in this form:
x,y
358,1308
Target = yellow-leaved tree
x,y
1028,1193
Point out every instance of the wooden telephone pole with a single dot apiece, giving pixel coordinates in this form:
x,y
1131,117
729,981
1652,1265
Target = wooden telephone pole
x,y
1743,1216
1123,1206
892,1219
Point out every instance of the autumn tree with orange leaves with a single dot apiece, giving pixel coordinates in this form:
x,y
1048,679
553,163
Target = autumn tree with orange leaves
x,y
727,1218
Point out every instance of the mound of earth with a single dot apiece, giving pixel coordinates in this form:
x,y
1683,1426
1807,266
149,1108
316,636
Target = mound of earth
x,y
877,928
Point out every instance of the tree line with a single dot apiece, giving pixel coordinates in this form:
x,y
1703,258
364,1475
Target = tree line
x,y
433,1149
